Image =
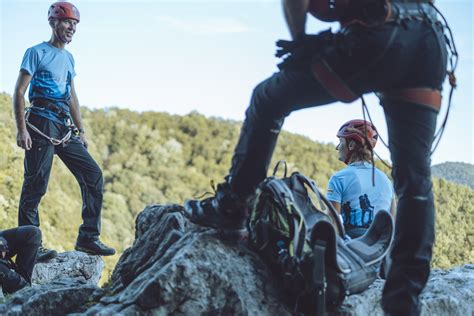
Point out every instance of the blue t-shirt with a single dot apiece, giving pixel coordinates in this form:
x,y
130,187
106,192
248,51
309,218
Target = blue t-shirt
x,y
52,71
352,187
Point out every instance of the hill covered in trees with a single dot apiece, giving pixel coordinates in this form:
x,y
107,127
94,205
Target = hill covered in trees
x,y
457,172
156,157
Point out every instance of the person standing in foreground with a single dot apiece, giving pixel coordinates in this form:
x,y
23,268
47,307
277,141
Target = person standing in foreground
x,y
360,190
53,125
396,49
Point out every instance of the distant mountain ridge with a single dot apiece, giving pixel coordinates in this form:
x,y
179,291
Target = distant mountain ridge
x,y
457,172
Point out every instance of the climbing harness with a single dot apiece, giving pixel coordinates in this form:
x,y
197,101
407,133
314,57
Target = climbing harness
x,y
430,98
57,110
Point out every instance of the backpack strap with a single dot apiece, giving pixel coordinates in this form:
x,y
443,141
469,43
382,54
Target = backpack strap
x,y
285,197
282,195
323,202
319,275
275,170
375,243
358,253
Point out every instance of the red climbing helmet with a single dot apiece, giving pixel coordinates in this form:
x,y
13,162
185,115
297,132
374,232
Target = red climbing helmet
x,y
359,131
63,10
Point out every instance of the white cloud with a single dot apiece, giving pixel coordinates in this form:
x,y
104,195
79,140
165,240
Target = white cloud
x,y
213,25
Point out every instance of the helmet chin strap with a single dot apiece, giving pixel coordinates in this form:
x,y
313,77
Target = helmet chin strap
x,y
349,153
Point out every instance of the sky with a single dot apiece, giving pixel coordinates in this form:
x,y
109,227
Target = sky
x,y
207,56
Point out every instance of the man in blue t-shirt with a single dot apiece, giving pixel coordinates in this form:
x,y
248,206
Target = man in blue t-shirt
x,y
359,190
53,125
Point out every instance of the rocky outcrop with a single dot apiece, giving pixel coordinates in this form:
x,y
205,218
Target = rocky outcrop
x,y
177,268
71,264
59,297
447,293
65,284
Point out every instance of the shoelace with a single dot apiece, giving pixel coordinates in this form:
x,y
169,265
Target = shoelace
x,y
43,249
207,193
101,244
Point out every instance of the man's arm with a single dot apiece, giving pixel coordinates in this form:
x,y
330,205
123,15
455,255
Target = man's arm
x,y
76,114
23,138
295,16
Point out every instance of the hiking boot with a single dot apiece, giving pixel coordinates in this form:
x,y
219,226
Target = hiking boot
x,y
224,210
94,247
44,254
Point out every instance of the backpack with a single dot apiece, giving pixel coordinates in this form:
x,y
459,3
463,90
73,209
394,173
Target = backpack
x,y
298,233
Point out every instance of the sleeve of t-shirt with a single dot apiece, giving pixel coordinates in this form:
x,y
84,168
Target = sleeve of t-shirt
x,y
334,191
30,61
73,73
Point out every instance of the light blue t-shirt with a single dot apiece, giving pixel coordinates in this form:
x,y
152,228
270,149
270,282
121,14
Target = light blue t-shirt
x,y
352,187
52,71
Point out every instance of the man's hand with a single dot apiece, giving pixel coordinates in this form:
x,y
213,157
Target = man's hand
x,y
83,139
299,52
23,139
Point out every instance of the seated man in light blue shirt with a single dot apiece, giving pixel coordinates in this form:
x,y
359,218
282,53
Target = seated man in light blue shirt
x,y
359,190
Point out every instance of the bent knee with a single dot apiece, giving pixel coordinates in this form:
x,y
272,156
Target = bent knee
x,y
32,233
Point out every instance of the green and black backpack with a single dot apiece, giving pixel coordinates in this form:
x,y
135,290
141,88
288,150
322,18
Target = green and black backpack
x,y
299,235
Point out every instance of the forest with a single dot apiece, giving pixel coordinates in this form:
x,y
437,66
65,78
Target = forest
x,y
457,172
158,158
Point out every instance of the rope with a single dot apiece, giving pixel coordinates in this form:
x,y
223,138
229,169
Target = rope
x,y
53,140
453,61
372,151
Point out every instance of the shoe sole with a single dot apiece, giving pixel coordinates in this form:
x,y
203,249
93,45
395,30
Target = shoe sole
x,y
232,234
221,226
216,223
90,252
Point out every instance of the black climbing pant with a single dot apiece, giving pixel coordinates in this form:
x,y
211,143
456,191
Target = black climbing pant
x,y
23,242
38,162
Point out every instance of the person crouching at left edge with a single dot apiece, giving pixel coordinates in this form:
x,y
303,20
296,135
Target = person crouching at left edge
x,y
22,242
53,125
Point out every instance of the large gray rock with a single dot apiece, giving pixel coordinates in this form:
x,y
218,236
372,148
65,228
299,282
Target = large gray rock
x,y
65,284
447,293
56,298
71,264
177,268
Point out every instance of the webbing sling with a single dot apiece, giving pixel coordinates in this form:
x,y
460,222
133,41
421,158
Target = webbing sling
x,y
319,276
52,140
397,11
422,96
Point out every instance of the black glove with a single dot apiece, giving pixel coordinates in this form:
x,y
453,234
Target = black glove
x,y
300,51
